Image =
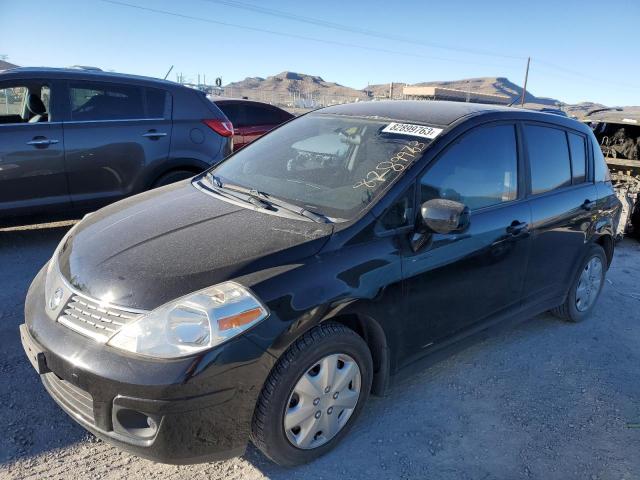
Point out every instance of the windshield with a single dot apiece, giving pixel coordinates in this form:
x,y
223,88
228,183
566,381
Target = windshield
x,y
329,164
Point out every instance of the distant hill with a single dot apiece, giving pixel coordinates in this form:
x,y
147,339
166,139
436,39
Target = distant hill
x,y
6,65
291,84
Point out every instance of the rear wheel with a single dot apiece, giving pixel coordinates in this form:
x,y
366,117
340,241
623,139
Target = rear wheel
x,y
172,177
313,395
586,287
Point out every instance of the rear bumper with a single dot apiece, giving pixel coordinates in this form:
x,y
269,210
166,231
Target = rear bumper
x,y
180,411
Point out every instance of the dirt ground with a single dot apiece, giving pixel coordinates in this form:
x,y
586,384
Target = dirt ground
x,y
544,399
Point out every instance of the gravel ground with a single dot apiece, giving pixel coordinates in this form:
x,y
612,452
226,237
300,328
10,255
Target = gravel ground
x,y
544,399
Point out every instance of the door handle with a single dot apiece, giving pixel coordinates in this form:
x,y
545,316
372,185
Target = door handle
x,y
42,142
154,134
588,204
517,229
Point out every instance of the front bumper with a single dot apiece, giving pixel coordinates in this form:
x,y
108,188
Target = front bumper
x,y
173,411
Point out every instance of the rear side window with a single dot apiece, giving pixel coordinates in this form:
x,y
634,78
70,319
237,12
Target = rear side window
x,y
578,157
548,158
156,103
479,170
234,112
105,101
259,115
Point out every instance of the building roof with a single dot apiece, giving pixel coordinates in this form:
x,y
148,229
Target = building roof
x,y
421,111
444,93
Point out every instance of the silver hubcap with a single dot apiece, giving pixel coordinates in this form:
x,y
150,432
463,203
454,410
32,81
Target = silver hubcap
x,y
322,401
589,284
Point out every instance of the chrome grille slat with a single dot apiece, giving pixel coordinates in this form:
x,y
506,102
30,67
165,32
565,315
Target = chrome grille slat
x,y
91,319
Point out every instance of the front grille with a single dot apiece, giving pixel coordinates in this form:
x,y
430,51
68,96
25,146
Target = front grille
x,y
73,399
94,320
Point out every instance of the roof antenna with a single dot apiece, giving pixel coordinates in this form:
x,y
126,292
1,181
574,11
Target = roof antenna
x,y
522,96
524,88
165,77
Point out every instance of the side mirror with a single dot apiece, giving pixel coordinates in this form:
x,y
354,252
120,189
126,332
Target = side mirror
x,y
444,216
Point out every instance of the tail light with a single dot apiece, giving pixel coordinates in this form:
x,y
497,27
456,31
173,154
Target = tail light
x,y
221,127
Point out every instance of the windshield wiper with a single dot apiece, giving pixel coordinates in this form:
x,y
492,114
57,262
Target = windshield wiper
x,y
225,189
265,200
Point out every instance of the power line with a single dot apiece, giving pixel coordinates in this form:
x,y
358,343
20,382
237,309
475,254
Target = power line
x,y
296,36
577,74
362,31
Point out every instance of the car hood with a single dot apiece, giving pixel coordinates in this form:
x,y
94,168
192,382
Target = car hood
x,y
149,249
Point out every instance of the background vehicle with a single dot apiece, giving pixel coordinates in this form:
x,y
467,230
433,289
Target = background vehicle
x,y
620,145
251,119
79,139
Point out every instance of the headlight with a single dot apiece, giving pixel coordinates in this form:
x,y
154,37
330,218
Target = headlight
x,y
192,323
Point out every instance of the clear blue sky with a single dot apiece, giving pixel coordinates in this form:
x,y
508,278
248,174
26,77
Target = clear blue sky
x,y
581,50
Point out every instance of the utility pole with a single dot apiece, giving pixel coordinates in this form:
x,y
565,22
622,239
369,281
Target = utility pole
x,y
524,88
391,91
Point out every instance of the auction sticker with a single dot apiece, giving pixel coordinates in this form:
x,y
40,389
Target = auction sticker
x,y
413,130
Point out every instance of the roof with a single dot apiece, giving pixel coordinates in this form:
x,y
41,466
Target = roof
x,y
48,72
421,111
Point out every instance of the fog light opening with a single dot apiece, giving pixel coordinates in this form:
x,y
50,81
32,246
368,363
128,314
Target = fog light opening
x,y
134,423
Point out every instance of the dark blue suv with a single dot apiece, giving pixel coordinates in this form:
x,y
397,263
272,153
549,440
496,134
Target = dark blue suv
x,y
79,139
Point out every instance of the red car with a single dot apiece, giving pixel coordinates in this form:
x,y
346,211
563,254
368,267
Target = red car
x,y
251,119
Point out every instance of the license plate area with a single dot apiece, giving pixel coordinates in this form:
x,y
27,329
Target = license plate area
x,y
33,352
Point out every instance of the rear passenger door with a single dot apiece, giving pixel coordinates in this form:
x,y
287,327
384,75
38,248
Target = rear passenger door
x,y
562,195
114,134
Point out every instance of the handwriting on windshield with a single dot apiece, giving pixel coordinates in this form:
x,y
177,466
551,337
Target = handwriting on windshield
x,y
397,164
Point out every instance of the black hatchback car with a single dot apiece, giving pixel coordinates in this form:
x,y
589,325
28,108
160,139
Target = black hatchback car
x,y
266,298
78,139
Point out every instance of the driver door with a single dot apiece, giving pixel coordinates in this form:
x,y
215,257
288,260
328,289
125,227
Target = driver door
x,y
456,281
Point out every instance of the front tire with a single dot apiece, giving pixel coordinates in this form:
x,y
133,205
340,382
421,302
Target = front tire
x,y
586,287
313,395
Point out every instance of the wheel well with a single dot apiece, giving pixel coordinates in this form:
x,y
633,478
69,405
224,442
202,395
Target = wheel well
x,y
606,242
185,168
373,334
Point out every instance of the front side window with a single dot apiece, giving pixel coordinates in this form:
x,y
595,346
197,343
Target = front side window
x,y
330,164
12,101
478,170
24,103
548,158
105,101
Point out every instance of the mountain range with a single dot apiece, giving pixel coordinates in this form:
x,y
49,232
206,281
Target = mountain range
x,y
290,83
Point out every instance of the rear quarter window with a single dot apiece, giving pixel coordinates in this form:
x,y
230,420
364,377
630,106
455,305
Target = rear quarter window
x,y
578,150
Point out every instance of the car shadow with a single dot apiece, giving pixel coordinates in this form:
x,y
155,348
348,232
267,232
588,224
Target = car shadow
x,y
393,452
30,421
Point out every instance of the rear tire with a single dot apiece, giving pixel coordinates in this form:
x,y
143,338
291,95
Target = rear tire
x,y
297,417
585,288
172,177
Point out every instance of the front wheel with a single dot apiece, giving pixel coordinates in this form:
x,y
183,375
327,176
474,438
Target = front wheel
x,y
586,287
313,395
